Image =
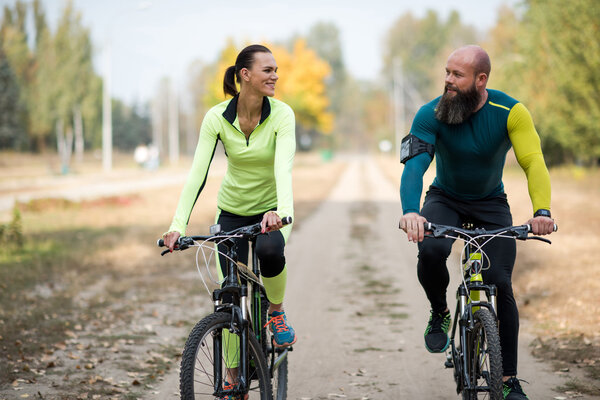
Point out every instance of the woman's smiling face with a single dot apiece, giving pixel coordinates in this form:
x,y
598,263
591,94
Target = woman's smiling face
x,y
263,74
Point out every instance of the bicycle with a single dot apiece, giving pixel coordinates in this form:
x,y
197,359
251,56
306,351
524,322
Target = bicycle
x,y
233,342
476,356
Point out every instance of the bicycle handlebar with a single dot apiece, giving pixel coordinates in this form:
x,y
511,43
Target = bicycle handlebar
x,y
247,232
520,232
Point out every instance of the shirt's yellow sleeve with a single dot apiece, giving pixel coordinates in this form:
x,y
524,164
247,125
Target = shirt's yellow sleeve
x,y
526,144
285,148
207,142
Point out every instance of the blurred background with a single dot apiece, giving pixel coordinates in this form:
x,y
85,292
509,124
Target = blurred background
x,y
84,76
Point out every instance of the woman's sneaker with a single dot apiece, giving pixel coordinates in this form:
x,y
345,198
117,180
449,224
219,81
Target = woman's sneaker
x,y
230,386
512,390
283,333
436,333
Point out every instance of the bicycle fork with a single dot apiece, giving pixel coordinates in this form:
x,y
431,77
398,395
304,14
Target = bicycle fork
x,y
468,302
239,322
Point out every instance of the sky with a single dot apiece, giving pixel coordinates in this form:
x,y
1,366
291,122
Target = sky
x,y
151,39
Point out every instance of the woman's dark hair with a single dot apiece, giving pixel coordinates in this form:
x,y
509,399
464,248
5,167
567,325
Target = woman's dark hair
x,y
243,60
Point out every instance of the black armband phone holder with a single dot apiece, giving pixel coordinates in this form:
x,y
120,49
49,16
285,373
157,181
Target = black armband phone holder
x,y
412,146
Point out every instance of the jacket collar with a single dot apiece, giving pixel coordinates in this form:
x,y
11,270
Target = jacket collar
x,y
230,112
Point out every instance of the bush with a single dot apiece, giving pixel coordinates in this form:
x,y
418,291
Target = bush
x,y
11,234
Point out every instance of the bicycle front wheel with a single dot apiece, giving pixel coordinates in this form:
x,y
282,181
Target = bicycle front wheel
x,y
484,367
213,346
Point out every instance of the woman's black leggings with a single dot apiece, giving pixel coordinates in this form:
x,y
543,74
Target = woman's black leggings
x,y
269,247
491,213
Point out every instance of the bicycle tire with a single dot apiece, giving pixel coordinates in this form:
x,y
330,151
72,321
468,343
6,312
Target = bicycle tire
x,y
280,380
279,376
484,366
196,380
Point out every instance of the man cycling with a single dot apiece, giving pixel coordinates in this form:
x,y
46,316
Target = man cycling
x,y
470,129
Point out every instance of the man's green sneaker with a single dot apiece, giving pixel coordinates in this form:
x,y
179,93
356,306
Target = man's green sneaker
x,y
512,390
436,333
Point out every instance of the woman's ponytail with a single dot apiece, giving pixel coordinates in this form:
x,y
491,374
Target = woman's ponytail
x,y
229,82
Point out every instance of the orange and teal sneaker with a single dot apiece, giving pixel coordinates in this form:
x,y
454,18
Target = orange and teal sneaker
x,y
283,333
230,386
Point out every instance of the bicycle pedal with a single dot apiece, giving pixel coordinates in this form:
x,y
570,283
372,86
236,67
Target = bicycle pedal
x,y
449,363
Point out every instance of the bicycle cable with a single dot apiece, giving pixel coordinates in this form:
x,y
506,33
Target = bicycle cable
x,y
479,248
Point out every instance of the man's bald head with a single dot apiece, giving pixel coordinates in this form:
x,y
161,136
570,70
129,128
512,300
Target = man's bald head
x,y
474,56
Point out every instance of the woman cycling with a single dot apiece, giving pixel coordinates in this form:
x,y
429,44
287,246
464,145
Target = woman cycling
x,y
258,134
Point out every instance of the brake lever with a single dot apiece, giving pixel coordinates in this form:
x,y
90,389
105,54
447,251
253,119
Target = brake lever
x,y
541,239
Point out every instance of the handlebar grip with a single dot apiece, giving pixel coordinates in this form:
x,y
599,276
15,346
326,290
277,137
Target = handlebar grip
x,y
530,230
160,243
286,220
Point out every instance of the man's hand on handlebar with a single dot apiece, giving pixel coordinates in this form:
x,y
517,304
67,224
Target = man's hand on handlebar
x,y
170,240
541,225
413,225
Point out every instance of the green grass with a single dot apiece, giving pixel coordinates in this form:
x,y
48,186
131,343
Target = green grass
x,y
365,349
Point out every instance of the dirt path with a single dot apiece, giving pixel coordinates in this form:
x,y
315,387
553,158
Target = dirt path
x,y
358,308
353,298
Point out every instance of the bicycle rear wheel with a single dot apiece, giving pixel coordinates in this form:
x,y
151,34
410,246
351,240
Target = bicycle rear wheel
x,y
197,376
277,365
484,367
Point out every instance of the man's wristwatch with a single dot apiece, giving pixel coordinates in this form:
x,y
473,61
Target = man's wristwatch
x,y
542,213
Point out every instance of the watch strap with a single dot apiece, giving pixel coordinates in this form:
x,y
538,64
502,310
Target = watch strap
x,y
542,213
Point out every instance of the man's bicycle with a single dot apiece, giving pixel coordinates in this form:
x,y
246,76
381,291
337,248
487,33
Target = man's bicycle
x,y
230,352
475,354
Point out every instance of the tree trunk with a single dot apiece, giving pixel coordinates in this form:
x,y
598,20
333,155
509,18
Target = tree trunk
x,y
79,143
64,145
60,143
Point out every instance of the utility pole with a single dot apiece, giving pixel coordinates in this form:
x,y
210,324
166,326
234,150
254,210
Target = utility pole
x,y
173,125
106,114
399,111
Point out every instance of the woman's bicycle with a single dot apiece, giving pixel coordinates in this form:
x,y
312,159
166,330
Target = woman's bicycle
x,y
230,352
475,354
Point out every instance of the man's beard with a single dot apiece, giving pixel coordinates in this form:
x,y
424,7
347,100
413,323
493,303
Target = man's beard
x,y
456,109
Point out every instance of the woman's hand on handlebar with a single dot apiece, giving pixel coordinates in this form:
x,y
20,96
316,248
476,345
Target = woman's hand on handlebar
x,y
541,225
413,225
170,239
270,222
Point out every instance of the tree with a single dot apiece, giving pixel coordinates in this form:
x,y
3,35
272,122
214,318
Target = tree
x,y
302,85
10,127
423,45
214,93
131,125
72,83
13,39
324,39
552,68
